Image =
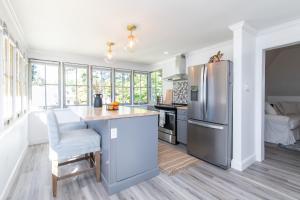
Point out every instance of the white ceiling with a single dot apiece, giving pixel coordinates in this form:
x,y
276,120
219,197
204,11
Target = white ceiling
x,y
177,26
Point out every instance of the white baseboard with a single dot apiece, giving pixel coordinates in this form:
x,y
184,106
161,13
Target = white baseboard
x,y
244,164
38,141
13,175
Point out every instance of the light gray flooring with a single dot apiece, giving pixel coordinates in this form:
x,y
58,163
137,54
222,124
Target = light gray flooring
x,y
278,177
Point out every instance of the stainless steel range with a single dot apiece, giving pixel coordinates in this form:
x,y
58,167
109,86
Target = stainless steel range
x,y
167,131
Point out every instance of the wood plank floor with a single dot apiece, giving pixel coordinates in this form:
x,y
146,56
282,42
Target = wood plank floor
x,y
278,177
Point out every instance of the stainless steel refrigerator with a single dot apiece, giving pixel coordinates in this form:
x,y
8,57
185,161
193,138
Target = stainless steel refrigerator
x,y
210,113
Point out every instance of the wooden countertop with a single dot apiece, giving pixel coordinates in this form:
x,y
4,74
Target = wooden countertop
x,y
90,113
182,108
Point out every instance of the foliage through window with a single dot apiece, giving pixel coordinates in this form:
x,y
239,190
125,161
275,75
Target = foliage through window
x,y
76,84
122,86
140,87
18,99
8,80
156,85
101,83
45,84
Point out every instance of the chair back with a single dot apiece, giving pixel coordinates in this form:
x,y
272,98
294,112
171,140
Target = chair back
x,y
53,128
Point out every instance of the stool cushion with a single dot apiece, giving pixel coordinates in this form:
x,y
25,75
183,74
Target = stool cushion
x,y
74,143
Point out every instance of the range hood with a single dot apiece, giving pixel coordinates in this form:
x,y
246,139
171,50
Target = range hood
x,y
180,69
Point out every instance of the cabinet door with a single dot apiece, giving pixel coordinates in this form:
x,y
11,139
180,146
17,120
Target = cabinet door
x,y
134,151
182,131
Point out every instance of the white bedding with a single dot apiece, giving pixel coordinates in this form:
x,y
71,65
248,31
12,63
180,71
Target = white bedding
x,y
278,131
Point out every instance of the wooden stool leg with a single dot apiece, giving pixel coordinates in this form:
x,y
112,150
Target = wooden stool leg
x,y
97,167
54,177
91,160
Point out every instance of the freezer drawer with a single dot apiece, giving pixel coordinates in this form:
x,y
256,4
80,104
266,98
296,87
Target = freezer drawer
x,y
209,142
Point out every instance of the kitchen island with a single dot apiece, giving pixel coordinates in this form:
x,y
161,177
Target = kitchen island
x,y
129,138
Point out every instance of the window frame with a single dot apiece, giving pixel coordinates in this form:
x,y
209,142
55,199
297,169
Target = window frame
x,y
7,45
147,87
94,67
150,80
45,62
18,84
130,87
76,65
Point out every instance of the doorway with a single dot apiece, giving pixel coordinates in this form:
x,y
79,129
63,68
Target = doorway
x,y
278,96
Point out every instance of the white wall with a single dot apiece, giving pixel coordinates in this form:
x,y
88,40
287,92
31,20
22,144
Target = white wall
x,y
282,72
81,59
199,56
37,124
274,37
13,139
13,146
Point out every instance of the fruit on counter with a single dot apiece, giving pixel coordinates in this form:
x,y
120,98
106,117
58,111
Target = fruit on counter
x,y
113,106
115,103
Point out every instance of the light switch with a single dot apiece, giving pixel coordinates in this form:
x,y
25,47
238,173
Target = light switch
x,y
113,133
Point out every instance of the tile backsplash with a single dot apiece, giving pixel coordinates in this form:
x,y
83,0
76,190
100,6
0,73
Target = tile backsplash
x,y
180,92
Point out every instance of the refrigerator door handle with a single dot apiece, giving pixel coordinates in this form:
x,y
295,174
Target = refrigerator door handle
x,y
206,125
205,92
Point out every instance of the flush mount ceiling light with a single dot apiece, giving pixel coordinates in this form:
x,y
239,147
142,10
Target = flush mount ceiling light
x,y
166,53
131,38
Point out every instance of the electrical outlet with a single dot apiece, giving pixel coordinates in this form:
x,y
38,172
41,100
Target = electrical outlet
x,y
113,133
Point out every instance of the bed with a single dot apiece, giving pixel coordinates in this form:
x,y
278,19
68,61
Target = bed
x,y
282,122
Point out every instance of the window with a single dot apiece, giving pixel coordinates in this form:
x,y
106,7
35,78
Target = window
x,y
76,84
8,81
101,83
156,84
18,99
24,82
140,87
123,86
45,84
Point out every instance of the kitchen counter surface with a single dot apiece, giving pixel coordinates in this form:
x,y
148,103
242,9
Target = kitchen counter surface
x,y
90,113
182,108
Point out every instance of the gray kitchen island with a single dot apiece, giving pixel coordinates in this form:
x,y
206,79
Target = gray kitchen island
x,y
129,138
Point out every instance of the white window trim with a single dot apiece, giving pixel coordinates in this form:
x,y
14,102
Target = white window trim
x,y
140,72
46,107
131,84
64,82
91,79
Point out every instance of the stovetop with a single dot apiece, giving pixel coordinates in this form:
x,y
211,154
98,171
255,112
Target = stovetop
x,y
172,106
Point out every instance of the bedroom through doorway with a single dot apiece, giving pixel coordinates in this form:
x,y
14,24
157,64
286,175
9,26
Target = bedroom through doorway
x,y
282,104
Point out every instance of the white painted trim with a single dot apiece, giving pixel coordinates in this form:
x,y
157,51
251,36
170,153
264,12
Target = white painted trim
x,y
244,164
12,14
279,27
274,37
13,176
243,25
39,141
283,99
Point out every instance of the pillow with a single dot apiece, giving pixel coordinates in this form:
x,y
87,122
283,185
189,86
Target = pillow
x,y
269,109
278,108
289,108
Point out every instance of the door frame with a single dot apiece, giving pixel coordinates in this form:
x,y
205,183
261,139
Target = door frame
x,y
284,35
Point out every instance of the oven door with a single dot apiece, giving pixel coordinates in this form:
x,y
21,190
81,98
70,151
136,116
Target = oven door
x,y
168,131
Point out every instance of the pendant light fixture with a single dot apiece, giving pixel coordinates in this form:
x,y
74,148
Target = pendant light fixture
x,y
131,38
109,53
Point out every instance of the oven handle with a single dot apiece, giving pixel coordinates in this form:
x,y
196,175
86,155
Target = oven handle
x,y
170,113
